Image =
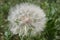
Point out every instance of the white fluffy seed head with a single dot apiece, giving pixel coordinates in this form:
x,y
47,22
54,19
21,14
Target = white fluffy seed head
x,y
26,18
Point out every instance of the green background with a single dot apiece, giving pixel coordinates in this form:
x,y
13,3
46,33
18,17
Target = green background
x,y
52,10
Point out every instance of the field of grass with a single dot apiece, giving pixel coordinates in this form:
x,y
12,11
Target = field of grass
x,y
52,10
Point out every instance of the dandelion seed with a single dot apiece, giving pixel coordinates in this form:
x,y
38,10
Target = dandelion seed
x,y
25,17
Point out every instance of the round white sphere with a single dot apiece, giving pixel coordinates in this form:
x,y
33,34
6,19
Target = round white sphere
x,y
26,18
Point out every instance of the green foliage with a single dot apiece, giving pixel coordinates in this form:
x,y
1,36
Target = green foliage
x,y
52,10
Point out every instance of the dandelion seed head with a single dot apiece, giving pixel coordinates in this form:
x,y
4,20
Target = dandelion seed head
x,y
26,16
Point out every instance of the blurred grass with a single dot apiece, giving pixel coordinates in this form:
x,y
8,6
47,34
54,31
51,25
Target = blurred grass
x,y
52,10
